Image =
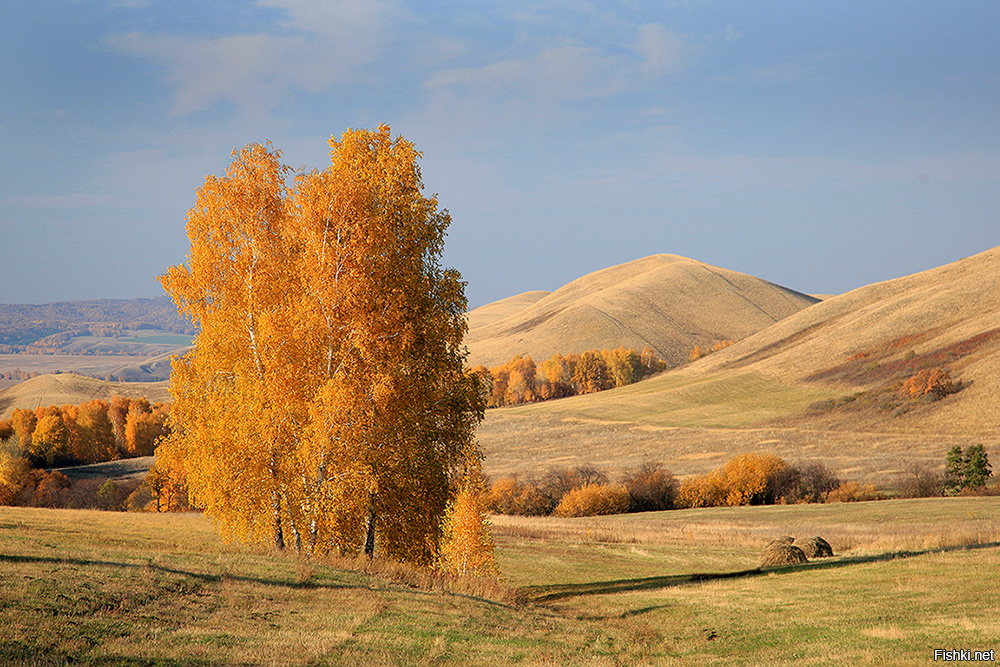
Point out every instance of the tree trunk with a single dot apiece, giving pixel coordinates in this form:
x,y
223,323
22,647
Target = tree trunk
x,y
370,533
279,536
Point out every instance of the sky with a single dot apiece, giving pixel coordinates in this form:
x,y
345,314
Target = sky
x,y
818,145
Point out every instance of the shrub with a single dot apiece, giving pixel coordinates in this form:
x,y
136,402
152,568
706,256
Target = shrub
x,y
815,481
650,488
933,382
850,492
704,490
557,483
920,482
754,479
509,496
594,500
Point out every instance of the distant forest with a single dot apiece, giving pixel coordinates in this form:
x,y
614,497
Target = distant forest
x,y
45,328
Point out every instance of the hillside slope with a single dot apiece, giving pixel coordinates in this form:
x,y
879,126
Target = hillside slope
x,y
820,385
872,338
666,302
69,388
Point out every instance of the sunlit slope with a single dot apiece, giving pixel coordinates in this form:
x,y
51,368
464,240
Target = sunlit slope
x,y
666,302
67,388
728,399
498,310
870,338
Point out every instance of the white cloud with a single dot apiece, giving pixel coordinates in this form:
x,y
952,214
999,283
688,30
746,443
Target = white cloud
x,y
571,70
320,44
661,50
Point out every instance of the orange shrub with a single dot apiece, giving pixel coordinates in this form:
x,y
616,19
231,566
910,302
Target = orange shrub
x,y
509,496
709,490
850,492
594,500
753,479
930,381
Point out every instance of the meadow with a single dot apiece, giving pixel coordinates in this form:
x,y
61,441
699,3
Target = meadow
x,y
678,587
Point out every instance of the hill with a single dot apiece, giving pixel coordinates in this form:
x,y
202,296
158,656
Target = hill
x,y
69,388
51,326
665,302
822,384
871,339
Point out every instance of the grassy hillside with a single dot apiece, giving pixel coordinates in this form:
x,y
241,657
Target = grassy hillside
x,y
666,302
68,388
498,310
661,588
872,338
820,385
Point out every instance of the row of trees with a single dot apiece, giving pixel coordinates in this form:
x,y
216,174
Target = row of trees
x,y
520,380
748,479
584,490
92,432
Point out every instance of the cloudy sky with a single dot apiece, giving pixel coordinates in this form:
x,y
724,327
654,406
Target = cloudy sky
x,y
819,145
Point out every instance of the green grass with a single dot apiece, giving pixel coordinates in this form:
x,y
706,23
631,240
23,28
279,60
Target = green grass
x,y
160,339
661,588
724,400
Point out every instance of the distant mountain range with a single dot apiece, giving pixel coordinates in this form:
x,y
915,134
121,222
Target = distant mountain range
x,y
24,325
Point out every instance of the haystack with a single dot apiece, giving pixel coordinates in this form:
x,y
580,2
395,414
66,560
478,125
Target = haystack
x,y
815,547
784,539
775,555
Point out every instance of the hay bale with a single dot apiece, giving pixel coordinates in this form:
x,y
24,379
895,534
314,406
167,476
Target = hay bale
x,y
775,555
815,547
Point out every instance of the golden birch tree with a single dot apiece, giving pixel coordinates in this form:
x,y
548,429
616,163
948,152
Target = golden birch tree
x,y
326,400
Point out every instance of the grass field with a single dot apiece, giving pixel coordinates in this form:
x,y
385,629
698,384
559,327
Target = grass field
x,y
661,588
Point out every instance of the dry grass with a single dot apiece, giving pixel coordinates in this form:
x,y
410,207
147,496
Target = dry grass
x,y
858,528
678,587
656,301
518,440
68,388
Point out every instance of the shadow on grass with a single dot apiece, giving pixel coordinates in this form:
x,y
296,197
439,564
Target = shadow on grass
x,y
553,592
20,654
201,576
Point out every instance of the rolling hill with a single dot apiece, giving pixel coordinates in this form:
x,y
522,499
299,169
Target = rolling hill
x,y
821,384
666,302
69,388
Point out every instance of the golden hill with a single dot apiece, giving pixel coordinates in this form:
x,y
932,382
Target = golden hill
x,y
870,338
822,384
72,389
666,302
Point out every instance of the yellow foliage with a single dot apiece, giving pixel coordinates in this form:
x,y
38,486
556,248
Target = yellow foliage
x,y
593,500
467,548
325,401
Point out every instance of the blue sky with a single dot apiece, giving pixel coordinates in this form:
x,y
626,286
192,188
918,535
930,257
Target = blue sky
x,y
822,146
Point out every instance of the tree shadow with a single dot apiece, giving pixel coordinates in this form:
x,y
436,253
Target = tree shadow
x,y
201,576
555,592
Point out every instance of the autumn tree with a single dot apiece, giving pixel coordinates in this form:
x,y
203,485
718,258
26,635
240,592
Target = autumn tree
x,y
467,548
325,401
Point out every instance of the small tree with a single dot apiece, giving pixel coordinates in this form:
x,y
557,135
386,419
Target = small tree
x,y
954,476
966,470
467,545
977,467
